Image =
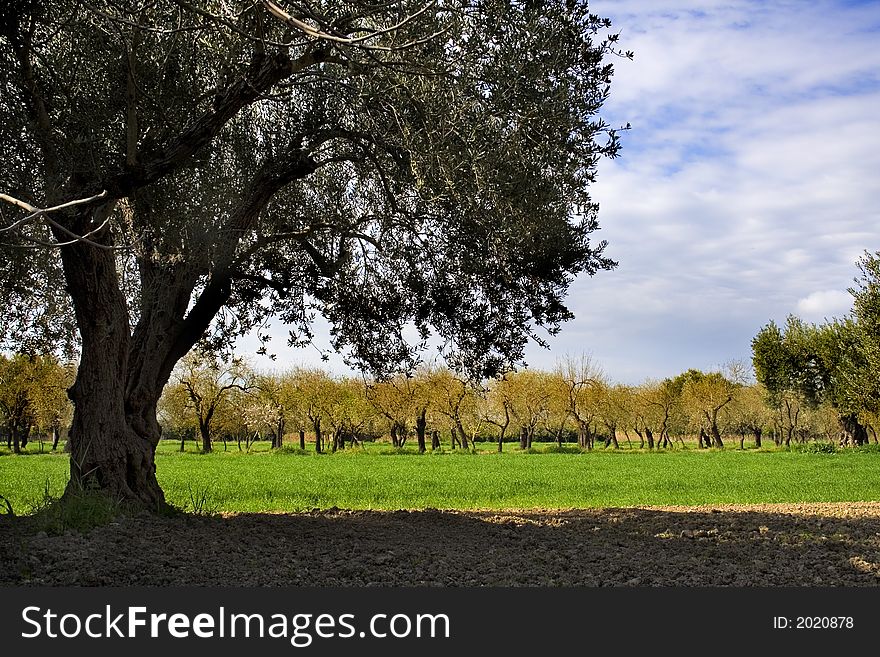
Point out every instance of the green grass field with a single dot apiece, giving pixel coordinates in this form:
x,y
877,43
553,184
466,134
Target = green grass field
x,y
380,478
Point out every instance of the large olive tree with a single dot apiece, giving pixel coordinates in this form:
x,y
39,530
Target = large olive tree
x,y
182,170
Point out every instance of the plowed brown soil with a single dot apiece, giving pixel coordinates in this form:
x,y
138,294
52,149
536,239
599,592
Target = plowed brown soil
x,y
766,545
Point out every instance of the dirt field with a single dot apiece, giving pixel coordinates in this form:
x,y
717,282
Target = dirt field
x,y
767,545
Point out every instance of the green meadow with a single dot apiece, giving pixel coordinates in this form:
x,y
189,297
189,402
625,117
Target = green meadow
x,y
379,477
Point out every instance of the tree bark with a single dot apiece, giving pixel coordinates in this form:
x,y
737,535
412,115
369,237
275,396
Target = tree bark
x,y
650,437
435,440
302,440
317,423
56,434
757,433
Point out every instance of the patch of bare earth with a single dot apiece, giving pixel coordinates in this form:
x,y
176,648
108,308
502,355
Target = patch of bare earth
x,y
761,545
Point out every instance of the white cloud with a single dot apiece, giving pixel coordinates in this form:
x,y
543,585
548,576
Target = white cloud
x,y
824,304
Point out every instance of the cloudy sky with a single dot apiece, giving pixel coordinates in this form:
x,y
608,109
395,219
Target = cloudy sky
x,y
747,187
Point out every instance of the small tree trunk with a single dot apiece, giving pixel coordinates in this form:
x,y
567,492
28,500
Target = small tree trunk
x,y
435,440
55,437
716,437
650,436
641,438
278,442
318,447
16,441
205,433
523,438
302,440
757,433
421,427
462,435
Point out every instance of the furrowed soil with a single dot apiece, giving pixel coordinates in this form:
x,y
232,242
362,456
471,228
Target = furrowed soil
x,y
828,544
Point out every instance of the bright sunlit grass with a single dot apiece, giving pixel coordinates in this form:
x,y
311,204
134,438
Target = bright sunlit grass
x,y
381,478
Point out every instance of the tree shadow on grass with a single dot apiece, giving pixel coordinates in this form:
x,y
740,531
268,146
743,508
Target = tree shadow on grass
x,y
610,547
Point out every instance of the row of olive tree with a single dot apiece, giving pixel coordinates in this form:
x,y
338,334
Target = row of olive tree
x,y
575,401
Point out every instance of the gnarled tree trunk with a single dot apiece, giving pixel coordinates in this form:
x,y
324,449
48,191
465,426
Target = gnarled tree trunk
x,y
113,443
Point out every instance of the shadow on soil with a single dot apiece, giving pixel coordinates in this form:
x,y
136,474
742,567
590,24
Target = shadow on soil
x,y
600,547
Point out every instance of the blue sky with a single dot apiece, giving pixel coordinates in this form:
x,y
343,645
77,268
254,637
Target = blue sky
x,y
747,187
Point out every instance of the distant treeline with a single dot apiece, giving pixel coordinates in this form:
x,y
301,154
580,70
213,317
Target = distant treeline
x,y
814,382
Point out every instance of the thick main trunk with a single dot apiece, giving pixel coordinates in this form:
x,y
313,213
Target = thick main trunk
x,y
112,448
